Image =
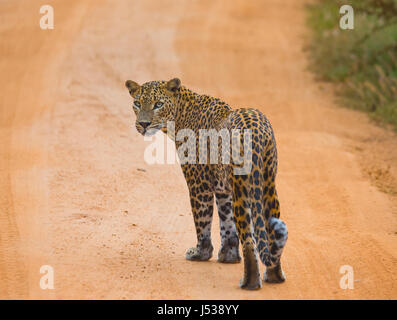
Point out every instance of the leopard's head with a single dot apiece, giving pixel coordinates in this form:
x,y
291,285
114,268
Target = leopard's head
x,y
154,104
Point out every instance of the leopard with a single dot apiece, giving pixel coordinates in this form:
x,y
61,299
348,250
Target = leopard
x,y
246,197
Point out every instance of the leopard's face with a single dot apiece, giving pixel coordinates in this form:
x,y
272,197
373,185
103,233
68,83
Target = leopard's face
x,y
154,104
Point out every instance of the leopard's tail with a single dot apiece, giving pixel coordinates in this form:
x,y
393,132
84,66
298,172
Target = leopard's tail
x,y
271,240
270,232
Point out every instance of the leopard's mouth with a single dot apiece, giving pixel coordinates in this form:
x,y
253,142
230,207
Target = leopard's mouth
x,y
151,130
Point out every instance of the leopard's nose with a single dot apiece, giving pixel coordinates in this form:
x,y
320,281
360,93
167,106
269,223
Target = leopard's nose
x,y
144,124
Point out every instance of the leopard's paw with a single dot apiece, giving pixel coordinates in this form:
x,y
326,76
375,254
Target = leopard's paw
x,y
199,254
251,283
274,275
230,253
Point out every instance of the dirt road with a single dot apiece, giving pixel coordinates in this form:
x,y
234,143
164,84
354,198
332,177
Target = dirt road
x,y
71,194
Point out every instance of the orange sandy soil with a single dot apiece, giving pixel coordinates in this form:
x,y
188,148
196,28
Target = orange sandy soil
x,y
71,194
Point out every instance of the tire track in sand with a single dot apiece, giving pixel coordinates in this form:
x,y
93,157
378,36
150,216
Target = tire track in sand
x,y
28,74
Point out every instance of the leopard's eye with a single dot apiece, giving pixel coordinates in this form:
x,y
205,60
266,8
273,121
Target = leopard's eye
x,y
137,104
158,105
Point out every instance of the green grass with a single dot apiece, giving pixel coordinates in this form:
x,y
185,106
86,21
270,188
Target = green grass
x,y
361,62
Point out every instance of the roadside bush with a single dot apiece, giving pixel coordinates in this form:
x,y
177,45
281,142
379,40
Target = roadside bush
x,y
363,61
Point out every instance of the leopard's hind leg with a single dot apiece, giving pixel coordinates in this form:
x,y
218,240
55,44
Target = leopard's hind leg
x,y
276,230
242,215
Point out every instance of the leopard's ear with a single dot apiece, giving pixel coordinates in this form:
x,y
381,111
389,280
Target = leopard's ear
x,y
173,85
132,87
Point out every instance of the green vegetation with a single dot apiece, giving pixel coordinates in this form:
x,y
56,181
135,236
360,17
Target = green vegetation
x,y
363,61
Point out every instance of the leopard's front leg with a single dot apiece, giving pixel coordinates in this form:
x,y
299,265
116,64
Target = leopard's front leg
x,y
229,252
202,207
